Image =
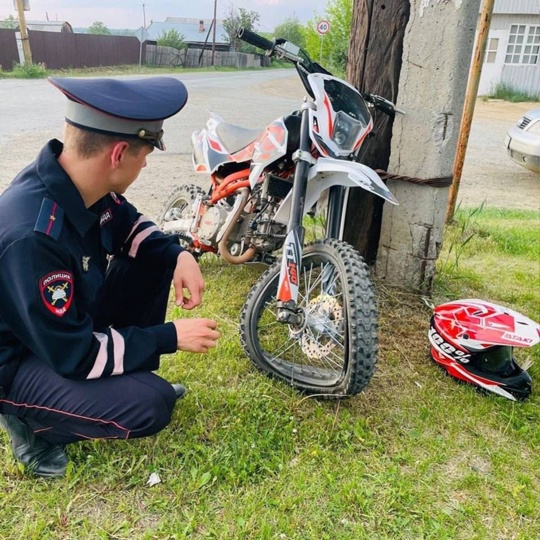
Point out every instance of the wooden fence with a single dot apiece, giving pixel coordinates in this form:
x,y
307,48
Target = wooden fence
x,y
64,50
192,58
8,49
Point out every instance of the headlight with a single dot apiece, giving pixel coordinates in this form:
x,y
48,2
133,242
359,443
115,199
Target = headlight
x,y
346,131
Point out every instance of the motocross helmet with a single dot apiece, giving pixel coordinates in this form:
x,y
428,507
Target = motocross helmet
x,y
473,341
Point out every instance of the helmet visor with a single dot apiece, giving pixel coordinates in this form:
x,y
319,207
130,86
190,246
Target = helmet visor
x,y
497,360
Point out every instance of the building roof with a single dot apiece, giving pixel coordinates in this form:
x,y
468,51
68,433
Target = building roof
x,y
517,7
49,26
189,28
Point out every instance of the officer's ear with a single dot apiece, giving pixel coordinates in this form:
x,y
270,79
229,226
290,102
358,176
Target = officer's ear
x,y
117,152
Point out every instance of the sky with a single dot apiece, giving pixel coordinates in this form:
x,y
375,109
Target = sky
x,y
130,13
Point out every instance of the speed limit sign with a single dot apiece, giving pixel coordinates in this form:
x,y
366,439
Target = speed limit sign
x,y
323,27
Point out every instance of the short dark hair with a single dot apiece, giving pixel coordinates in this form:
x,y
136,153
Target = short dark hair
x,y
88,144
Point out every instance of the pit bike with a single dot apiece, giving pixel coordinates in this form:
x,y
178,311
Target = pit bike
x,y
310,319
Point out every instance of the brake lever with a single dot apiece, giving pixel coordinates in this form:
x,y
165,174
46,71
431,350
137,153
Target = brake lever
x,y
383,104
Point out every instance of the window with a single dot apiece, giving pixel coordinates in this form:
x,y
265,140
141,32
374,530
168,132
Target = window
x,y
523,45
491,51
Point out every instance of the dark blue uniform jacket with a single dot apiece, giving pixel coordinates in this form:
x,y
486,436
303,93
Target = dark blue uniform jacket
x,y
53,258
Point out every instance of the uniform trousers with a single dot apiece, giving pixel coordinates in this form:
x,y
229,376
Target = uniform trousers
x,y
131,405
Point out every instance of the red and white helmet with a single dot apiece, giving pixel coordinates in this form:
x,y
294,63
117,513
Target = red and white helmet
x,y
473,341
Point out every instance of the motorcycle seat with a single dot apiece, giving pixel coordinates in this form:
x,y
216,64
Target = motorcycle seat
x,y
234,138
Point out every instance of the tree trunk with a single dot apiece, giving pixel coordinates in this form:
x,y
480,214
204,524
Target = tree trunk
x,y
374,65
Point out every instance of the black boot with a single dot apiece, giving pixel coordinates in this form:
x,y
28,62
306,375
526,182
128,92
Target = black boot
x,y
179,390
36,454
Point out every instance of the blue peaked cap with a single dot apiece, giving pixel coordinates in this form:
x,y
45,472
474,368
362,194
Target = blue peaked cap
x,y
131,108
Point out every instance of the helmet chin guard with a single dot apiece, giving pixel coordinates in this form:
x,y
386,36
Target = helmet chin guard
x,y
473,341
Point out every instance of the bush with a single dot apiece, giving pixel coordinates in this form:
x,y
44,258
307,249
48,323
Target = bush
x,y
171,38
33,71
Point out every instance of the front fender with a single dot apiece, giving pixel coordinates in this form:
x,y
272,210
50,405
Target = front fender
x,y
328,172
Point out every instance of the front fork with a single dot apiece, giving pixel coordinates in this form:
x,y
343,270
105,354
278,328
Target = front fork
x,y
288,311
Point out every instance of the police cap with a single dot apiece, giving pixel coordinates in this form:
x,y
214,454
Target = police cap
x,y
130,108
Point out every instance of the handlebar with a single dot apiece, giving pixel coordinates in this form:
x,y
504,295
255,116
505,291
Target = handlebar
x,y
254,39
285,49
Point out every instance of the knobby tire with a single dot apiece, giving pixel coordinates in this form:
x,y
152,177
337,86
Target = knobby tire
x,y
334,352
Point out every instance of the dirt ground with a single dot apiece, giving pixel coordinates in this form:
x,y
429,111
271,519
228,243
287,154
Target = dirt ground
x,y
489,175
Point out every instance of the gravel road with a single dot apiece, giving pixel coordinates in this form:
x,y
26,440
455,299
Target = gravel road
x,y
32,112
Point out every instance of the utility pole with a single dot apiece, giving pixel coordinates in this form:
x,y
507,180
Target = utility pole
x,y
143,29
470,102
214,34
24,34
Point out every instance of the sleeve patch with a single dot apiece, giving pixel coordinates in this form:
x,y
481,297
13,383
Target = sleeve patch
x,y
50,219
56,291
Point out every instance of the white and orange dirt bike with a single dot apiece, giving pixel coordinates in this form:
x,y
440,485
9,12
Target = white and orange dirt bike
x,y
310,320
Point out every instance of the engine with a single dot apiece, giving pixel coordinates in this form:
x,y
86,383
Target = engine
x,y
211,223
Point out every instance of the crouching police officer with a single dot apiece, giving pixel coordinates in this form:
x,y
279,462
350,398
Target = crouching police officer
x,y
85,279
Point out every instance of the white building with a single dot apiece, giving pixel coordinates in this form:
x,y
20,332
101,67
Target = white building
x,y
512,52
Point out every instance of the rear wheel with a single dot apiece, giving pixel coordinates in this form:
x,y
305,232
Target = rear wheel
x,y
333,350
179,206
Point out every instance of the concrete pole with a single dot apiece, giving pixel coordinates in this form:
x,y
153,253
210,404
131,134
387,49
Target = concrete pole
x,y
24,34
470,102
437,53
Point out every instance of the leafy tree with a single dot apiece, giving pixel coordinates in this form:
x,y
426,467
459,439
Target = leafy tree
x,y
335,44
240,18
99,28
9,22
291,30
171,38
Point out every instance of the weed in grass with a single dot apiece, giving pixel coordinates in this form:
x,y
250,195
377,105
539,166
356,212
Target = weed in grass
x,y
461,234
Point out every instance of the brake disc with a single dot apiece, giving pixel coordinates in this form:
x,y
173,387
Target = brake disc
x,y
324,322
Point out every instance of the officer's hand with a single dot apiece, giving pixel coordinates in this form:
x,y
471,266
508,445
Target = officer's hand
x,y
196,335
187,275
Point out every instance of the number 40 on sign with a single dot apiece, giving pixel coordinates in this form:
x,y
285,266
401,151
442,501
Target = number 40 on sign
x,y
323,27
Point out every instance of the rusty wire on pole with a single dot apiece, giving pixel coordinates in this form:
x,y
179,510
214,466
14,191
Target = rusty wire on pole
x,y
470,102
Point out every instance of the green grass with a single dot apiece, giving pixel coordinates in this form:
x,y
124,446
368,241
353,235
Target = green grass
x,y
415,456
21,71
509,93
495,254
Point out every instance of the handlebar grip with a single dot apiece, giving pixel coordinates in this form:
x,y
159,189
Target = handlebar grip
x,y
254,39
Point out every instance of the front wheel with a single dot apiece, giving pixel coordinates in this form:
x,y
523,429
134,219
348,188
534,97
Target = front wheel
x,y
332,352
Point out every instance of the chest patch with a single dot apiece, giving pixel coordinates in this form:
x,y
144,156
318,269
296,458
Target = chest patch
x,y
56,291
105,217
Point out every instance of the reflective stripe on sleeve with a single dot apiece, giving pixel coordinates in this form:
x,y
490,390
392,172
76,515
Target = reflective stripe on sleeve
x,y
101,359
140,238
119,351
